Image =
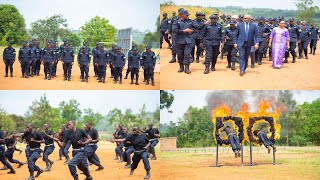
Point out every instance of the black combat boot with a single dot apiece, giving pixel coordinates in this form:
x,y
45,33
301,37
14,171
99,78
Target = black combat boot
x,y
229,64
213,67
259,60
181,68
131,81
148,175
152,82
314,52
294,59
310,51
137,80
285,60
173,60
147,81
233,66
206,70
187,70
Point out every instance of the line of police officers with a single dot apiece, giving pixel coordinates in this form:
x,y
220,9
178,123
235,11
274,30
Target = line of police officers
x,y
218,35
31,56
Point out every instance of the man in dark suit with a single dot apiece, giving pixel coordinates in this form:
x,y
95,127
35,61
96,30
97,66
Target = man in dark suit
x,y
246,39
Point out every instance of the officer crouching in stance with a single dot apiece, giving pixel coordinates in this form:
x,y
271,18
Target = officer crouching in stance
x,y
78,138
140,144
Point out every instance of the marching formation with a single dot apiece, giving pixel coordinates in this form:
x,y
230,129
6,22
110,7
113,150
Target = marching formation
x,y
237,37
84,146
31,56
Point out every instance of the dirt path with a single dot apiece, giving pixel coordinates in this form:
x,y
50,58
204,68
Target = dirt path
x,y
36,83
113,170
304,74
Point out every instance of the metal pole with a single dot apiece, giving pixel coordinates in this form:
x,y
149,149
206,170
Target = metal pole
x,y
274,156
217,156
250,154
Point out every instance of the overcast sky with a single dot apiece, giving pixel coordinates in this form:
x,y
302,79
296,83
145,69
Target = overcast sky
x,y
183,99
138,14
17,102
274,4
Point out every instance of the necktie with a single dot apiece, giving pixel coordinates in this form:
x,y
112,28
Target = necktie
x,y
247,31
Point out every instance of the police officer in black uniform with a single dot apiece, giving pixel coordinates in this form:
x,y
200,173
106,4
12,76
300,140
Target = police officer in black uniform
x,y
173,37
213,38
198,36
264,33
102,59
11,142
153,135
56,57
84,63
128,150
47,135
38,55
118,62
304,41
164,30
148,63
78,138
129,53
140,144
134,61
34,140
314,36
112,52
230,35
3,152
9,56
294,36
94,56
184,28
47,58
67,57
33,58
92,147
24,57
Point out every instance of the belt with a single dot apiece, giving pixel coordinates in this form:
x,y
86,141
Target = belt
x,y
49,145
231,134
91,144
139,151
80,149
2,145
33,149
153,139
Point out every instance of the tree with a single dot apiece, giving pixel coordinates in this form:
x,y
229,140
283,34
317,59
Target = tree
x,y
150,38
93,117
286,97
306,10
74,40
70,110
20,122
194,129
167,3
53,28
98,30
41,112
166,99
6,122
12,25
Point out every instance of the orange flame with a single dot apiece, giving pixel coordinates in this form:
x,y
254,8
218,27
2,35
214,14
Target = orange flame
x,y
264,109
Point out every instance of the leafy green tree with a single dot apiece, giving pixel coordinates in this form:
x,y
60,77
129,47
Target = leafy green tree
x,y
93,117
150,38
166,99
20,121
74,39
98,30
53,27
194,129
41,112
70,110
12,25
306,10
6,122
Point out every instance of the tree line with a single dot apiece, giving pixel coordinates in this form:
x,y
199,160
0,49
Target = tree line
x,y
55,27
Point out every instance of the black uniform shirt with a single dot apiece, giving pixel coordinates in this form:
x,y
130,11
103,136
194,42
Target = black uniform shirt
x,y
93,134
74,137
35,135
151,133
47,139
138,141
